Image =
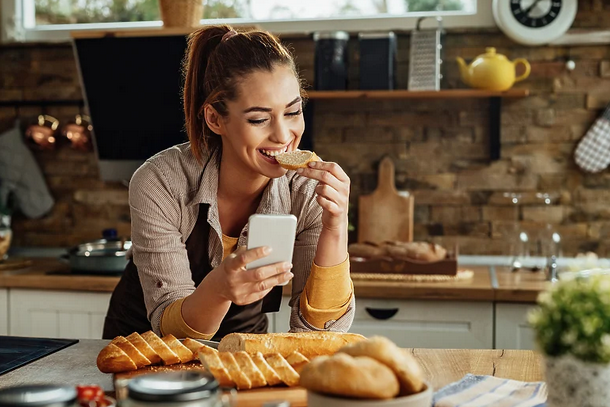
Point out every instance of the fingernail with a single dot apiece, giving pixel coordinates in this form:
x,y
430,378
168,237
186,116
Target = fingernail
x,y
312,164
287,266
299,170
266,250
289,275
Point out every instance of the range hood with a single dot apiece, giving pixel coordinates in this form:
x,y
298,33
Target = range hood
x,y
132,87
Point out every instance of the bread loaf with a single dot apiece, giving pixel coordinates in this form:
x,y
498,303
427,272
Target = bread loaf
x,y
238,369
344,375
309,344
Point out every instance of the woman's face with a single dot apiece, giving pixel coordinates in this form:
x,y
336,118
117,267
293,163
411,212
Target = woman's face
x,y
265,119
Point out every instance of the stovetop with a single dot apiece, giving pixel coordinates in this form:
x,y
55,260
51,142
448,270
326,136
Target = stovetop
x,y
16,351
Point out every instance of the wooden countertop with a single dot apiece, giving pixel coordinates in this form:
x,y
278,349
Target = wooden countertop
x,y
488,284
76,365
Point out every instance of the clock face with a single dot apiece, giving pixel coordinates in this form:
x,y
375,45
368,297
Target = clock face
x,y
534,22
535,13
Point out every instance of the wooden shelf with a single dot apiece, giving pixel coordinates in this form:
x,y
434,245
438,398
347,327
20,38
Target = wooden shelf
x,y
405,94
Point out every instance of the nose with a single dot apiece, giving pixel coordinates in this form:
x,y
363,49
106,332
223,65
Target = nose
x,y
281,132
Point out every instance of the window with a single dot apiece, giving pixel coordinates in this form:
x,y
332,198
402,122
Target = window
x,y
53,19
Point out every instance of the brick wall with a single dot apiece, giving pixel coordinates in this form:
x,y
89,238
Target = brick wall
x,y
440,147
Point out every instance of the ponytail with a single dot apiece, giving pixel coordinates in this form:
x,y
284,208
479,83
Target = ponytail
x,y
213,65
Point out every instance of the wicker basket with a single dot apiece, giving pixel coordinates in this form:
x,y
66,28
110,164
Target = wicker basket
x,y
181,13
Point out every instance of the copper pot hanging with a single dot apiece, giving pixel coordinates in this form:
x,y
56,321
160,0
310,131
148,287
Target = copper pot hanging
x,y
79,133
41,135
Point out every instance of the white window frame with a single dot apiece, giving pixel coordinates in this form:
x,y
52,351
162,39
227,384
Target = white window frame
x,y
11,12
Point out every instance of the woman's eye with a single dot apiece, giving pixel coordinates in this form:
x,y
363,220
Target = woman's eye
x,y
298,112
257,121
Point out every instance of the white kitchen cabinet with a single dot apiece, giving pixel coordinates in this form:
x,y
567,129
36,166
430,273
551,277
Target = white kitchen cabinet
x,y
3,311
512,329
57,314
282,318
427,324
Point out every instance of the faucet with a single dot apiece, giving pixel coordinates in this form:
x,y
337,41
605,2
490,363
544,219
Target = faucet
x,y
551,268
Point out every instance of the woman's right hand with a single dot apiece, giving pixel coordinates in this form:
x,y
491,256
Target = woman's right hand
x,y
241,286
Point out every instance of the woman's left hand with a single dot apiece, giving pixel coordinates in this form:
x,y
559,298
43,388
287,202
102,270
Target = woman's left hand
x,y
332,193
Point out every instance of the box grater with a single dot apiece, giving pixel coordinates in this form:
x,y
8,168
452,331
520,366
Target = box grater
x,y
425,57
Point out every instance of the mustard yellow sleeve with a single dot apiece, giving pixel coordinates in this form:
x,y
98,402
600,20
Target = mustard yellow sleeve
x,y
327,294
173,323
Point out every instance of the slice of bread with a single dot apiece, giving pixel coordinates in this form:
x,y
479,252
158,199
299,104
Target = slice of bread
x,y
297,361
211,361
270,376
249,368
167,355
179,349
143,346
112,359
296,159
136,356
286,373
193,345
241,380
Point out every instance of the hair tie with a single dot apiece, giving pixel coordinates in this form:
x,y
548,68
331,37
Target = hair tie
x,y
228,35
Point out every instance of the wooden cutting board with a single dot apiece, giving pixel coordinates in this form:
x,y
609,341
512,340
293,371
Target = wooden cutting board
x,y
297,396
386,214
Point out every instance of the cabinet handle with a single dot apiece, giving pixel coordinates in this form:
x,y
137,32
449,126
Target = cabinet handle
x,y
381,313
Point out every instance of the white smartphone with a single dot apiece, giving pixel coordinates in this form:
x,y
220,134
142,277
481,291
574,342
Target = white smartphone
x,y
275,231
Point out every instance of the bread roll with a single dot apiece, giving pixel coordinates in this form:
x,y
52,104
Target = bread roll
x,y
310,344
422,251
347,376
403,364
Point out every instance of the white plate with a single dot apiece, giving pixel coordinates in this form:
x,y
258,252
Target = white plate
x,y
421,399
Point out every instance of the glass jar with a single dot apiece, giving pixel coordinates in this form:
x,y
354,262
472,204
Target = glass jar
x,y
6,235
39,396
176,389
519,239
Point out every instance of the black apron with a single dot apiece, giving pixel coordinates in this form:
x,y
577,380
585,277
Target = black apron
x,y
127,312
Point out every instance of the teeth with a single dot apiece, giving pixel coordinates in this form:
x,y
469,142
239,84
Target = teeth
x,y
273,153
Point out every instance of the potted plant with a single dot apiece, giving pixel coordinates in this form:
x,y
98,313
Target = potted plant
x,y
572,328
181,13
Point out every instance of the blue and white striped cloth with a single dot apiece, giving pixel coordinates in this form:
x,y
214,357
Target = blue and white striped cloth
x,y
488,391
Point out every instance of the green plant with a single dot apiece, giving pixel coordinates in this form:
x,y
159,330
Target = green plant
x,y
574,318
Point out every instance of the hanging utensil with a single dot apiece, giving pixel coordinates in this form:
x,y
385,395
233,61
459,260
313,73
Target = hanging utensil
x,y
41,135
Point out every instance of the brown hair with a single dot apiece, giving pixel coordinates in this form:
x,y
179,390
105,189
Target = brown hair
x,y
213,65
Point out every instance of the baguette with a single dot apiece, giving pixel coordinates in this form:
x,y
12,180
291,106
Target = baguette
x,y
112,359
294,160
246,364
143,346
134,354
167,355
211,361
286,373
297,361
242,381
310,344
193,345
179,349
271,376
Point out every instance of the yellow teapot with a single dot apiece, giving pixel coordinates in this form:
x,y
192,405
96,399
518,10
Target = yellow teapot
x,y
492,71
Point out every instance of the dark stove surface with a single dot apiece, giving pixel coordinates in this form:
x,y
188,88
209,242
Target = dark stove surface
x,y
16,351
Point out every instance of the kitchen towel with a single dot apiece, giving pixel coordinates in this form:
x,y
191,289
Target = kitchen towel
x,y
488,391
20,176
593,152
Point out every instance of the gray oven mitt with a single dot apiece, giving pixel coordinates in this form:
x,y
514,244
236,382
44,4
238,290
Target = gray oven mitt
x,y
21,176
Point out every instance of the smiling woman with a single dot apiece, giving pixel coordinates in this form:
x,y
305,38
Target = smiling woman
x,y
190,205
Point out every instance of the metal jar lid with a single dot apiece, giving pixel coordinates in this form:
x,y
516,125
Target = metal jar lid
x,y
173,386
38,396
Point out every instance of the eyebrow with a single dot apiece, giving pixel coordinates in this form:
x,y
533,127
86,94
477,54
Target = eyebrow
x,y
268,109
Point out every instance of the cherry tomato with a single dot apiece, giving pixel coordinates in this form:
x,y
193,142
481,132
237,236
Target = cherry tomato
x,y
88,393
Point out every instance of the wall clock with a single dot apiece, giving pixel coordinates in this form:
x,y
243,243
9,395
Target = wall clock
x,y
534,22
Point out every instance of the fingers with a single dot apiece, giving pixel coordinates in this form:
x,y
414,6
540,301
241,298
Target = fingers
x,y
333,168
241,257
330,194
265,272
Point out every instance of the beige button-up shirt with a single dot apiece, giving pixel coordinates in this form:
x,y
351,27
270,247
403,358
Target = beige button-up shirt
x,y
164,197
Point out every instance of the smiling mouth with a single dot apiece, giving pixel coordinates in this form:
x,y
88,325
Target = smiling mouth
x,y
269,155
